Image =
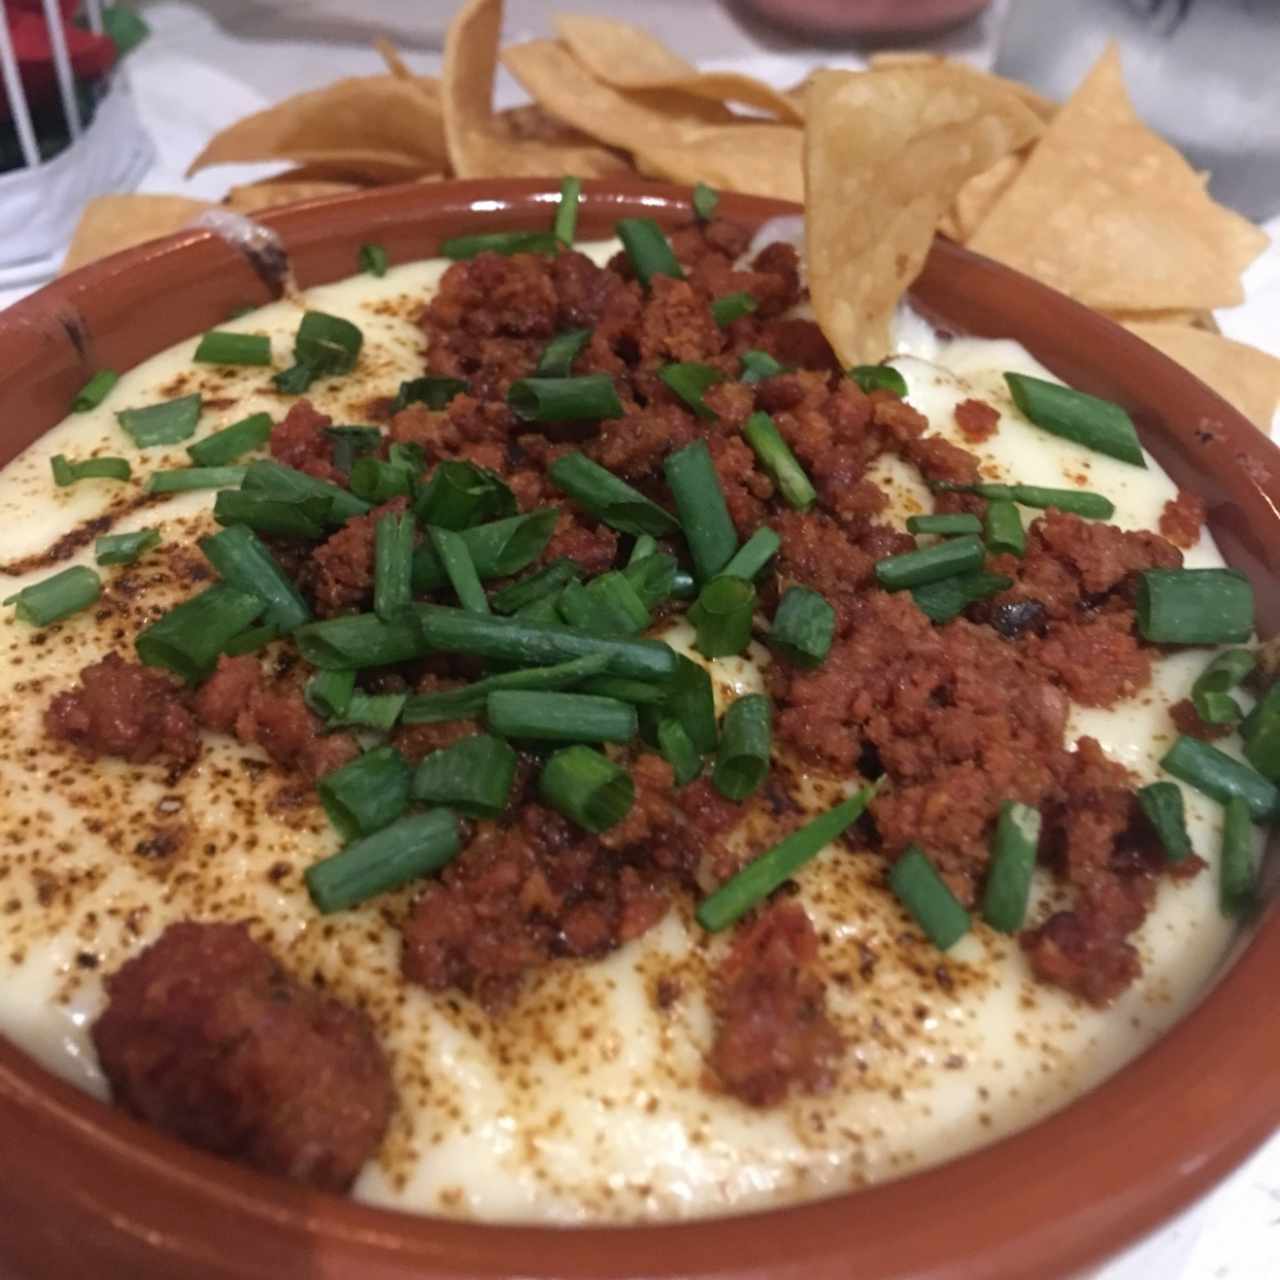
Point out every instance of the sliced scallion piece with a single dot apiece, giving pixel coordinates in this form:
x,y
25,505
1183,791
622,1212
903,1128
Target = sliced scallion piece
x,y
350,443
922,891
294,380
462,494
639,693
754,554
587,398
609,498
945,526
587,788
1261,731
879,377
1003,529
759,365
451,547
377,481
243,562
677,749
287,484
470,699
1076,502
1194,606
225,446
548,581
742,758
652,578
327,344
278,518
1236,872
690,382
328,693
124,548
1161,802
498,549
645,546
218,347
393,565
942,601
732,306
434,391
1220,777
1013,859
372,260
721,616
189,479
473,776
777,459
566,220
773,868
648,249
931,564
803,627
1073,415
704,515
168,423
376,711
250,641
607,606
56,597
705,200
368,794
189,638
460,248
66,473
95,391
1211,693
560,717
559,354
691,699
411,847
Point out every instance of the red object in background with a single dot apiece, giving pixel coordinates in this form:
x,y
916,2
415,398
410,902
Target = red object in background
x,y
833,18
91,55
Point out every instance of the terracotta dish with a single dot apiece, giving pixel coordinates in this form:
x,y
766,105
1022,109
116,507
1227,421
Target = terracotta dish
x,y
89,1192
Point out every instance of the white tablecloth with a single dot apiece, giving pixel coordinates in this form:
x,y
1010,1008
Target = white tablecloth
x,y
206,66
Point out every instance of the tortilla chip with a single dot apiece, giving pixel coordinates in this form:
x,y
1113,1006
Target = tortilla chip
x,y
379,116
890,59
1242,375
1197,319
477,148
1111,214
640,120
759,159
529,123
978,196
276,192
885,154
112,223
628,57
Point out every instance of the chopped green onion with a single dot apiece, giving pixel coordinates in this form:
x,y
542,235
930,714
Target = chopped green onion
x,y
587,788
638,692
1236,873
407,456
946,526
918,886
1004,531
879,377
1194,606
452,549
1261,731
1161,802
412,847
498,549
372,260
732,306
377,481
1073,415
65,473
225,446
777,459
742,758
691,699
721,616
705,200
95,391
434,390
368,794
773,868
754,554
759,365
1076,502
378,711
1211,691
350,443
294,380
690,382
566,221
187,479
704,515
932,564
56,597
610,499
287,484
677,749
942,601
644,546
327,344
803,627
462,494
328,693
474,776
470,699
393,565
1220,777
189,638
607,606
460,248
560,717
648,249
245,563
544,610
587,398
361,640
250,641
1013,859
295,518
652,578
559,354
124,548
218,347
549,581
167,423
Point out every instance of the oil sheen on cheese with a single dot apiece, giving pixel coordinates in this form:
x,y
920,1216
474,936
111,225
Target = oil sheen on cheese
x,y
586,1101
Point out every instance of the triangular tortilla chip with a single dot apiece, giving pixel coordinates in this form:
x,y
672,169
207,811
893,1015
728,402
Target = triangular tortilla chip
x,y
909,59
111,223
275,193
885,154
1111,214
978,196
1245,377
759,159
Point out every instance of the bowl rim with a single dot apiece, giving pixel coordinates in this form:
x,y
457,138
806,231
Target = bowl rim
x,y
1194,1103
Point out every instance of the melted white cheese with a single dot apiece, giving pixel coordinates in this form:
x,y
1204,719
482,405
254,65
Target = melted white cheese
x,y
586,1101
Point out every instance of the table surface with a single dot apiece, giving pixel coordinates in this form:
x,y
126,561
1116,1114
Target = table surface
x,y
207,65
